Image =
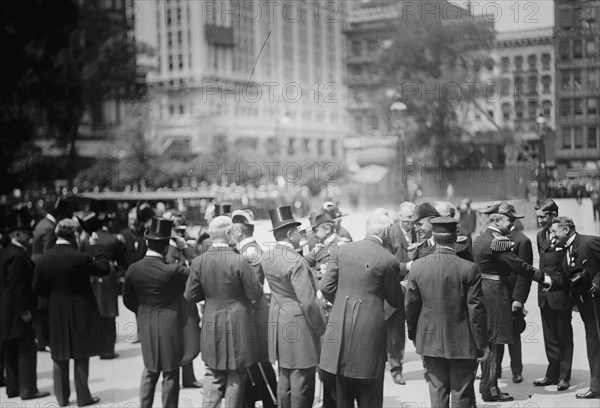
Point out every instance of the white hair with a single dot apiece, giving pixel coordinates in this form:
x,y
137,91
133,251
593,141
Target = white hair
x,y
218,227
406,210
376,223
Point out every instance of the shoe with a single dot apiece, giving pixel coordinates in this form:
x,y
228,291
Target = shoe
x,y
563,385
517,378
93,401
588,395
109,356
39,394
399,379
542,382
496,391
195,384
498,398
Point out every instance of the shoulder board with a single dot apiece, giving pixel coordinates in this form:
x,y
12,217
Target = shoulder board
x,y
341,243
461,239
501,244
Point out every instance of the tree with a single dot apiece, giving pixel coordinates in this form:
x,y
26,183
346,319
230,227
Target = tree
x,y
432,61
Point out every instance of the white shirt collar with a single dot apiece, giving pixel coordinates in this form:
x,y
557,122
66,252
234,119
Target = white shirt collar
x,y
377,238
153,253
17,243
431,241
51,218
494,229
330,239
219,245
570,240
61,241
244,242
447,247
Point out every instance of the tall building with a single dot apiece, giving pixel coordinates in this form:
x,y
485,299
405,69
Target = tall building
x,y
260,76
577,45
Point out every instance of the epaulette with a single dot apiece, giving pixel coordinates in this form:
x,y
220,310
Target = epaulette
x,y
461,239
501,244
341,243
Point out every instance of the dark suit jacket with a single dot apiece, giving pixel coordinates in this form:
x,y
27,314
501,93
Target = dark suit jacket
x,y
585,252
293,304
523,249
63,274
229,284
43,238
468,219
16,291
551,262
445,313
168,331
400,244
358,280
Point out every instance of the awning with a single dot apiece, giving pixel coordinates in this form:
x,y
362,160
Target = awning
x,y
371,174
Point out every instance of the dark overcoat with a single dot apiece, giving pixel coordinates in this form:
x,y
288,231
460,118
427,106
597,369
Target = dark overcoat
x,y
168,330
295,320
523,249
16,291
43,238
63,275
359,278
497,293
445,313
229,284
551,262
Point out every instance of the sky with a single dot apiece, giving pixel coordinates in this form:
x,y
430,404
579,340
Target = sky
x,y
515,14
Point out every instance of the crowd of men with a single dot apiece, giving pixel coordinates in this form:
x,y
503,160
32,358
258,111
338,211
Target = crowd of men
x,y
313,301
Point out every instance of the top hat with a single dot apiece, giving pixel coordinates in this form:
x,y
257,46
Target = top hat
x,y
501,207
333,210
282,217
160,229
423,210
242,217
61,207
581,281
90,223
444,224
547,205
319,217
19,219
222,209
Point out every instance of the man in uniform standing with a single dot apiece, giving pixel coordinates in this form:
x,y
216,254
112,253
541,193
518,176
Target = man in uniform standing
x,y
555,306
295,321
446,318
497,262
360,277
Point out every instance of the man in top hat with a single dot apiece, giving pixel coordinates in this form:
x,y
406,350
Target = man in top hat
x,y
582,260
229,285
106,288
293,304
18,304
261,383
497,262
360,277
519,287
555,306
336,214
168,331
446,318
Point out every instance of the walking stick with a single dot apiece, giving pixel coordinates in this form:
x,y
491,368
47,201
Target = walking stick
x,y
264,376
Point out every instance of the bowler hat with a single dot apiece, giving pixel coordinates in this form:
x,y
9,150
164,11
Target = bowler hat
x,y
160,229
423,210
282,217
19,219
243,217
444,224
319,217
501,207
223,209
581,281
90,223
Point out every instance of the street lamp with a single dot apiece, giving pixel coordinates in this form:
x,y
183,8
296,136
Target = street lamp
x,y
542,173
401,183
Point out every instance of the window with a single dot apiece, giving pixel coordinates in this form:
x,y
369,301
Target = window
x,y
578,137
546,62
519,63
563,49
591,49
506,111
592,78
592,142
180,61
306,145
577,84
181,109
505,63
519,110
578,107
577,17
566,138
532,62
356,48
531,86
565,108
320,145
504,86
374,122
334,148
171,110
372,46
566,79
519,85
577,49
546,81
564,18
291,146
532,109
170,63
592,106
547,108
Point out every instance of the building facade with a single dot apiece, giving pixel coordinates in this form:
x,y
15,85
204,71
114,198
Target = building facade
x,y
260,76
577,45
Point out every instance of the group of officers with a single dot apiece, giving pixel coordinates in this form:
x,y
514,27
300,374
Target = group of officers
x,y
312,301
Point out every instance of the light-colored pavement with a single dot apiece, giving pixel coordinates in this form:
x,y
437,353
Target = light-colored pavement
x,y
116,382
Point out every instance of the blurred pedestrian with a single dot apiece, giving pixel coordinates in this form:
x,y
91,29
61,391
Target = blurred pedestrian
x,y
468,216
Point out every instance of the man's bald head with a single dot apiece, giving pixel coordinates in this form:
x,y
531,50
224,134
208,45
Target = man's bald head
x,y
376,223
